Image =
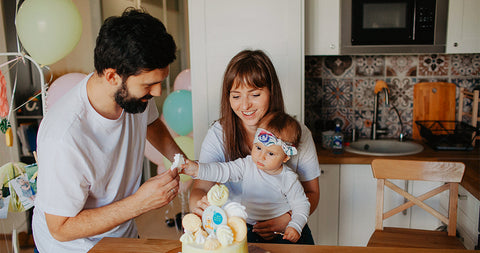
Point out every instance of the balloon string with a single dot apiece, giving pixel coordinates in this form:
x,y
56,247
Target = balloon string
x,y
16,35
49,71
13,94
8,62
32,98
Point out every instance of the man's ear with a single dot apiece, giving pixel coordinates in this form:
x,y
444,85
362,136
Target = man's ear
x,y
287,157
112,77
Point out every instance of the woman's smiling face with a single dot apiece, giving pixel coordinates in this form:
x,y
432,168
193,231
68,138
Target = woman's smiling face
x,y
250,104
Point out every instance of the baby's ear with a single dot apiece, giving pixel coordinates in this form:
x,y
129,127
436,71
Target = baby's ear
x,y
287,157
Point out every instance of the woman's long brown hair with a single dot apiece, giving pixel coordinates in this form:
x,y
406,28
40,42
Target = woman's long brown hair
x,y
254,69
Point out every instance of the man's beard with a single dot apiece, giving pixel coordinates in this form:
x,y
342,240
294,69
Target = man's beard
x,y
130,104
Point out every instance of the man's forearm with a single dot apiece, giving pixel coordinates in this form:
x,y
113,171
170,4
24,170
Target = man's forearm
x,y
159,136
95,221
156,192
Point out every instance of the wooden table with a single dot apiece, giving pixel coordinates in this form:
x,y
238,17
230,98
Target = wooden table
x,y
110,245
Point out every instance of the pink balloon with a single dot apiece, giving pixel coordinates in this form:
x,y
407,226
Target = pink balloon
x,y
183,81
61,86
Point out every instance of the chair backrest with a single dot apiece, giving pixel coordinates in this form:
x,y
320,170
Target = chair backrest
x,y
450,173
469,110
474,98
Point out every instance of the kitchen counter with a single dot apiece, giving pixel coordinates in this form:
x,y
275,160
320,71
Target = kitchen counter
x,y
107,245
471,178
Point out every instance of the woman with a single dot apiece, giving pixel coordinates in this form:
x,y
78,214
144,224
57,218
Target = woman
x,y
250,90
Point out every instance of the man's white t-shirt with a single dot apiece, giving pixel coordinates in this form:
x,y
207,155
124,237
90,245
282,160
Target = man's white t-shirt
x,y
304,163
86,161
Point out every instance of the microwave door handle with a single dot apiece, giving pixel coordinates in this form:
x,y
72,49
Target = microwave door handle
x,y
414,19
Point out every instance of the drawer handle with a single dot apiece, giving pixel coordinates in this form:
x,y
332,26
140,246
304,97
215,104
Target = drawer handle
x,y
462,197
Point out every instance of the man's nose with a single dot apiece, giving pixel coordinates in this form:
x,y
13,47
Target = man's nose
x,y
156,90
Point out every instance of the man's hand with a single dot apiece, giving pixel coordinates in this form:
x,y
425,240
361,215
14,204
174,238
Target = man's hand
x,y
266,228
158,191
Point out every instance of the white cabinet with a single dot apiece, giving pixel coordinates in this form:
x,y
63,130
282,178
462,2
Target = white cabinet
x,y
357,205
322,27
468,212
220,29
324,221
463,30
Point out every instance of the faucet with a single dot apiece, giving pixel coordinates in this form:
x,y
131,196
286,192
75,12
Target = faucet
x,y
380,86
402,136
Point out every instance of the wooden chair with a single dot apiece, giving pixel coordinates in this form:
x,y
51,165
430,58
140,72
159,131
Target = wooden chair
x,y
474,97
450,173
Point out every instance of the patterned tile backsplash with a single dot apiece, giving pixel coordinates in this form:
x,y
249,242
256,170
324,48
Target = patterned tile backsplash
x,y
340,88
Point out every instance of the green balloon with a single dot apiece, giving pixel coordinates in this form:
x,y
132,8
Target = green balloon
x,y
48,29
185,143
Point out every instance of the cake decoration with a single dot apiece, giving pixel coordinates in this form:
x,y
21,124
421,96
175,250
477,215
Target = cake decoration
x,y
213,217
212,243
235,209
217,195
178,160
239,228
225,235
187,237
222,228
191,222
200,237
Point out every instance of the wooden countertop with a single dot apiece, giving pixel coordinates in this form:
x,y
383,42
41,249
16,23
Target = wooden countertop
x,y
111,245
471,177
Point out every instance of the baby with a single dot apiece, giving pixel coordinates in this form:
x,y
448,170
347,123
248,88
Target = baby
x,y
270,188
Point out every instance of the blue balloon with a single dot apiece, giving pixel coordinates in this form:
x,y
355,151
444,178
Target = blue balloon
x,y
177,110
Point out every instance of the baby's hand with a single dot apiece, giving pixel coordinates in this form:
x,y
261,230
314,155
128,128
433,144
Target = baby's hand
x,y
291,234
178,160
189,168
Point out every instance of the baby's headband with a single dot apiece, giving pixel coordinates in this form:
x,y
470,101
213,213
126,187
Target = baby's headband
x,y
267,139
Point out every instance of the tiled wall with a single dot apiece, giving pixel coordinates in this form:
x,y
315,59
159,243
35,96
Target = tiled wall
x,y
340,88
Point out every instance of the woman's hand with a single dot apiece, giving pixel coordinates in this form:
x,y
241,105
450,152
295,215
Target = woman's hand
x,y
198,200
202,204
291,234
266,228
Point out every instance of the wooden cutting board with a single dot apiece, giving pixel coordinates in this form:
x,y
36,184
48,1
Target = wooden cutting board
x,y
433,101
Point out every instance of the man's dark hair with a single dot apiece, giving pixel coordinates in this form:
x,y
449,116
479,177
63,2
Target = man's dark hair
x,y
132,43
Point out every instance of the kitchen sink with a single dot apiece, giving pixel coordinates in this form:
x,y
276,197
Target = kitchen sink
x,y
384,147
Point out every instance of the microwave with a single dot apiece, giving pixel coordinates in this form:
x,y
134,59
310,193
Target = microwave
x,y
393,26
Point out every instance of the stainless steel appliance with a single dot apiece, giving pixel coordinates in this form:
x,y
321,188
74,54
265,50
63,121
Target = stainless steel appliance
x,y
393,26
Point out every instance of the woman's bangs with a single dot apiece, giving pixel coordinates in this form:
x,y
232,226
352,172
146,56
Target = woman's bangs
x,y
249,77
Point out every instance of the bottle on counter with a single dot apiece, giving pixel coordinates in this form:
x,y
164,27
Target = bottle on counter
x,y
337,146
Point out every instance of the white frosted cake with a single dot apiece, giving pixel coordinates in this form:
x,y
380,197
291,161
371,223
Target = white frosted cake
x,y
221,229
